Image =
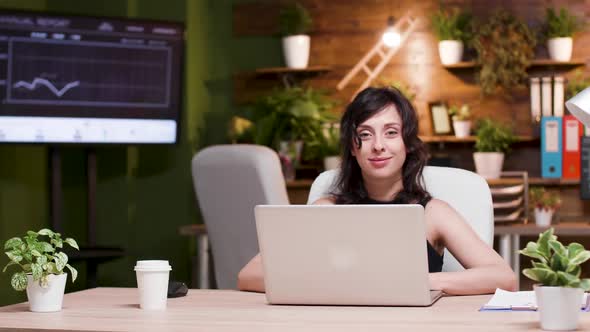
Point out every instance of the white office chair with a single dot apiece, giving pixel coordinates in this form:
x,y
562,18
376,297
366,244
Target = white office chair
x,y
229,181
465,191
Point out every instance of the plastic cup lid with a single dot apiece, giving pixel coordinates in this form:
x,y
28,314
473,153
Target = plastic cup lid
x,y
152,265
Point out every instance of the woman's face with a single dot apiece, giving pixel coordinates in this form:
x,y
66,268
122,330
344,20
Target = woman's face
x,y
382,153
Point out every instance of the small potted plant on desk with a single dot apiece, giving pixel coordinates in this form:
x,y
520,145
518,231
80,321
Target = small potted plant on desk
x,y
492,141
545,204
42,263
557,270
461,120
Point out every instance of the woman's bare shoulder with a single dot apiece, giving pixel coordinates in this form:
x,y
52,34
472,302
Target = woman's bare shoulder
x,y
436,205
328,200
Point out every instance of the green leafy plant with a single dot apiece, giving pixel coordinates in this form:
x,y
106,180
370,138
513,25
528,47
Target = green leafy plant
x,y
543,199
289,114
493,137
576,84
294,19
563,25
328,144
505,47
37,253
556,265
403,87
462,113
452,25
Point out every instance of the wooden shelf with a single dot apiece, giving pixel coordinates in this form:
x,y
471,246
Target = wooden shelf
x,y
581,228
468,139
533,182
553,182
274,72
534,63
306,183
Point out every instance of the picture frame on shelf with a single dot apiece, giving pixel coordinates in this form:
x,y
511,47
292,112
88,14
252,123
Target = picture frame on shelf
x,y
440,118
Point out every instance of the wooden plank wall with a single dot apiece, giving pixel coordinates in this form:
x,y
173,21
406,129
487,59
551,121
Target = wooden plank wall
x,y
344,30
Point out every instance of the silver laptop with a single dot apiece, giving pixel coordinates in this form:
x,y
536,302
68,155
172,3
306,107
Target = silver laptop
x,y
344,254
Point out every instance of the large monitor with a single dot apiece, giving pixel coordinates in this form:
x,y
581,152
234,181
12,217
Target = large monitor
x,y
89,80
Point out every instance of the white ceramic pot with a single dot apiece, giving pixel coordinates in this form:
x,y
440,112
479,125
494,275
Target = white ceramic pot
x,y
296,51
462,128
543,217
488,164
332,162
450,51
559,307
47,299
560,49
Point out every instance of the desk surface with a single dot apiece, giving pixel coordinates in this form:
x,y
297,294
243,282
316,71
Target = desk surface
x,y
116,309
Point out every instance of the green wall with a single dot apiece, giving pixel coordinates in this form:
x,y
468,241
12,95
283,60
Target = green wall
x,y
144,193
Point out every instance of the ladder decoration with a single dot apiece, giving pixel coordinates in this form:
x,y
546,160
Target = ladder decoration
x,y
408,24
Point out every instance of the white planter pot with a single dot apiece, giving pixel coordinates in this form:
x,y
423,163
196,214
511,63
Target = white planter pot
x,y
46,299
296,51
450,51
559,307
560,49
488,164
332,162
543,217
462,128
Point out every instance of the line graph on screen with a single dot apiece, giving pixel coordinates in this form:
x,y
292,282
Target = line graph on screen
x,y
61,72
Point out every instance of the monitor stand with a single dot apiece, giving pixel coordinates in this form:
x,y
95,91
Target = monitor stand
x,y
91,253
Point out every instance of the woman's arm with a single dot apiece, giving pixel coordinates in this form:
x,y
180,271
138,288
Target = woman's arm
x,y
251,277
484,270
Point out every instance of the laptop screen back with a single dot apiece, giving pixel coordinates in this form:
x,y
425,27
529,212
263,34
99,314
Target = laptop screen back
x,y
344,254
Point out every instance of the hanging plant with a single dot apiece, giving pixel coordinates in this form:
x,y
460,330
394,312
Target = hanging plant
x,y
505,47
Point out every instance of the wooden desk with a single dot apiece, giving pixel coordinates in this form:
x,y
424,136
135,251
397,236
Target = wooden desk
x,y
510,238
116,309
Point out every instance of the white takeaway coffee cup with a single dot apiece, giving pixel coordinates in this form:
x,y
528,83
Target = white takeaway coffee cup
x,y
152,282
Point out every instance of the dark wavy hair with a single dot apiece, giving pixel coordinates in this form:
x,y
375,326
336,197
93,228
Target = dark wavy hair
x,y
350,188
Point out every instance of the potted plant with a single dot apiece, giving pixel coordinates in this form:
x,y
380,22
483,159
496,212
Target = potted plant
x,y
294,22
461,120
559,30
576,84
405,89
330,146
560,290
503,61
492,141
545,204
42,263
286,120
453,30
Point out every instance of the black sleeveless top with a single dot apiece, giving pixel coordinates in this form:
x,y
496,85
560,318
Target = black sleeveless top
x,y
435,261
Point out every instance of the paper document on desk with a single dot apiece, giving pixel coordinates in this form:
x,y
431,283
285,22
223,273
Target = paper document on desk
x,y
526,300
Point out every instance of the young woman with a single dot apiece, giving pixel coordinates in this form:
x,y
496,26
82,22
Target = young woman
x,y
382,163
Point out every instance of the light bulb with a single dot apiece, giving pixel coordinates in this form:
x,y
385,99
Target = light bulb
x,y
391,38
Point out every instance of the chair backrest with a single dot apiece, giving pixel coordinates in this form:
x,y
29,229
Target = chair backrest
x,y
229,181
465,191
